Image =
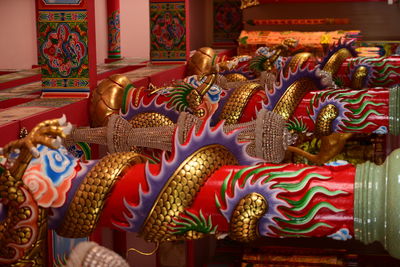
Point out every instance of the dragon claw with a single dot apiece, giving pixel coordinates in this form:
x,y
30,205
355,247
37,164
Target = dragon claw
x,y
63,120
56,142
35,152
67,129
48,133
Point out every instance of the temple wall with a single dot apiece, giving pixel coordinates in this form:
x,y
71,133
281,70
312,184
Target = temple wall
x,y
101,30
18,34
201,23
376,20
18,47
135,28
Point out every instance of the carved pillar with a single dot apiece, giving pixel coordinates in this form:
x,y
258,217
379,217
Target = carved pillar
x,y
67,47
341,202
114,30
169,34
227,22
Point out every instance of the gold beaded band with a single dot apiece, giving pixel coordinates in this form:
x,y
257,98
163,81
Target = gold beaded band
x,y
233,109
84,210
181,189
244,221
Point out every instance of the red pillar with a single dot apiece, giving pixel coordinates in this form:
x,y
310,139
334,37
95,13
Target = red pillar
x,y
114,30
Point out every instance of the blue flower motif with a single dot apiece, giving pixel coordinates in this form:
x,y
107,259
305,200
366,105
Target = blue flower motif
x,y
381,130
263,51
342,234
57,164
337,163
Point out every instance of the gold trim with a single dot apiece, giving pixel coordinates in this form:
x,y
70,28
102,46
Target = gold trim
x,y
249,3
142,252
137,92
84,211
206,85
180,190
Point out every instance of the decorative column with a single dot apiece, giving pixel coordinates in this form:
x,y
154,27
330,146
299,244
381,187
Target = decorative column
x,y
67,47
227,22
208,185
247,202
169,35
114,30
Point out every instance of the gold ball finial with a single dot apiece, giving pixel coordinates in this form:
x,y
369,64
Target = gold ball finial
x,y
106,99
202,61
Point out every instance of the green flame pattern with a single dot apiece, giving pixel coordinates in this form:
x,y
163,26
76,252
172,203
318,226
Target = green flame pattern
x,y
179,96
295,193
382,70
296,125
193,223
354,107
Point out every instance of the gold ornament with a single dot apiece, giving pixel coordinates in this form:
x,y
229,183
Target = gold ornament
x,y
181,189
249,3
195,97
323,125
276,52
244,221
358,78
46,133
235,77
292,97
297,61
202,62
233,109
87,204
37,255
336,60
331,146
136,95
150,119
106,99
21,245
